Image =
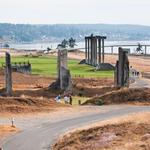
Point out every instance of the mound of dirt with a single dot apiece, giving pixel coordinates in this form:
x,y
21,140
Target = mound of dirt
x,y
27,104
132,96
129,135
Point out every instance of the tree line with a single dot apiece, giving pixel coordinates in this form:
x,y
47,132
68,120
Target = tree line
x,y
58,32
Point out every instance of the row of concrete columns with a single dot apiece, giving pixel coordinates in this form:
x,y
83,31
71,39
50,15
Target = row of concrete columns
x,y
94,50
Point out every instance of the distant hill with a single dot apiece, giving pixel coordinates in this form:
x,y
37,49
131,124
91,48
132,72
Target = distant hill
x,y
45,33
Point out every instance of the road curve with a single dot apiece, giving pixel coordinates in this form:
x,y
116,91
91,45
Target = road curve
x,y
41,137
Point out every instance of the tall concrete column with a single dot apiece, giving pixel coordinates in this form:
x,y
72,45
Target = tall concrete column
x,y
103,52
122,69
8,75
90,51
64,76
95,49
99,48
86,50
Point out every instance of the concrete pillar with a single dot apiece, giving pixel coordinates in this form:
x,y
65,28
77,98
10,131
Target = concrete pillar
x,y
112,49
95,51
92,46
88,51
85,49
103,52
8,75
122,69
116,82
99,47
145,49
64,77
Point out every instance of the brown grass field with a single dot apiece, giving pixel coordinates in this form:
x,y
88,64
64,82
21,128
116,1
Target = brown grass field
x,y
127,133
6,130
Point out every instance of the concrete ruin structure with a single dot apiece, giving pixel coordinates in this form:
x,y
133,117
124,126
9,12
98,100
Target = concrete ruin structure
x,y
64,78
95,53
122,69
8,74
22,67
94,50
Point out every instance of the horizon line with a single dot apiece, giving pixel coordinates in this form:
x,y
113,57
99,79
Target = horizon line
x,y
74,24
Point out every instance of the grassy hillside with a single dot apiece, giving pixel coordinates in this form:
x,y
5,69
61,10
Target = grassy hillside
x,y
48,66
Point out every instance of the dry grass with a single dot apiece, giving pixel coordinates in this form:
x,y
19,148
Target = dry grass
x,y
27,105
30,92
6,130
126,96
131,132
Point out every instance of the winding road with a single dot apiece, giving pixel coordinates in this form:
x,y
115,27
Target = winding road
x,y
42,136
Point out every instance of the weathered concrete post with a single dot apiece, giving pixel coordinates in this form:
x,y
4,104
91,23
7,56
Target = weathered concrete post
x,y
99,48
63,81
95,51
122,69
63,73
86,58
103,51
8,75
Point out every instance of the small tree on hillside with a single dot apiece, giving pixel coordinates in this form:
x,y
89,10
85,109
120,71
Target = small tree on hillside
x,y
64,43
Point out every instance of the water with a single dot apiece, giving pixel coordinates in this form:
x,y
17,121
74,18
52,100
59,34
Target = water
x,y
43,46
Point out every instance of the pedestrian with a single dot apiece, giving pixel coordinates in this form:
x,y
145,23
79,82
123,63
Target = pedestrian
x,y
70,100
66,99
58,98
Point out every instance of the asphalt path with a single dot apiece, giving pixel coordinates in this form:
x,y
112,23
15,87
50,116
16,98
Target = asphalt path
x,y
41,137
140,83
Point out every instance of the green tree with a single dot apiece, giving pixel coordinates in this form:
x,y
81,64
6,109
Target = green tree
x,y
72,42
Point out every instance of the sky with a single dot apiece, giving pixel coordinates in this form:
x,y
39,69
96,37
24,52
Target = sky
x,y
75,11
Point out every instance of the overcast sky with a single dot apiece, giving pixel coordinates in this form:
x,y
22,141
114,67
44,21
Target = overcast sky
x,y
75,11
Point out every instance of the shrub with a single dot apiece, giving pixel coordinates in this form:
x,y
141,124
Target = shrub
x,y
99,102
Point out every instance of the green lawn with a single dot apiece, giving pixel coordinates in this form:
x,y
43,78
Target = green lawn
x,y
48,66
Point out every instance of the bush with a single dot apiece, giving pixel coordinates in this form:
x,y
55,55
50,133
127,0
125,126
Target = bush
x,y
99,102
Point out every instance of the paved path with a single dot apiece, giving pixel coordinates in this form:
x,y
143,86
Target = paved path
x,y
140,83
42,136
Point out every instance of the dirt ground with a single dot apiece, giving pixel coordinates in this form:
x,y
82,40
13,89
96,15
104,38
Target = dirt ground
x,y
31,92
37,86
120,96
129,133
6,130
